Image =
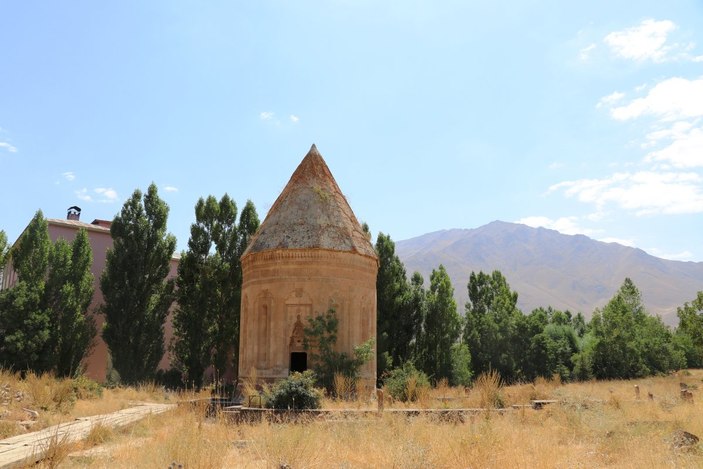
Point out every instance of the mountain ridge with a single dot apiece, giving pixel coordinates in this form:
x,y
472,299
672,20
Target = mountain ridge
x,y
548,268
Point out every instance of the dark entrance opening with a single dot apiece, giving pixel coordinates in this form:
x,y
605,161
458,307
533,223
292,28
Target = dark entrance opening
x,y
298,361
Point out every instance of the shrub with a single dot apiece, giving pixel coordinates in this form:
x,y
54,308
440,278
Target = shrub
x,y
86,388
170,379
406,383
50,394
488,385
295,392
320,340
461,365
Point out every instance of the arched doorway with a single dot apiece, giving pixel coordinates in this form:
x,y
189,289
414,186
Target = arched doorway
x,y
296,346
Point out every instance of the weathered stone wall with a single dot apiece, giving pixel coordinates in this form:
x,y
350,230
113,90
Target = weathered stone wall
x,y
284,284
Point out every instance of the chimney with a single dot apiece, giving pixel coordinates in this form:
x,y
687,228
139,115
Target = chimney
x,y
74,213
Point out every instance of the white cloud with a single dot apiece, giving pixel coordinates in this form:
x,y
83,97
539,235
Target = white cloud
x,y
647,41
555,165
107,194
679,256
82,194
564,225
611,99
266,116
623,241
69,175
644,192
671,99
294,119
170,189
9,147
685,149
585,53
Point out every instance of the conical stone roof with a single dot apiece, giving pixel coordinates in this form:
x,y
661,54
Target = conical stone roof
x,y
311,213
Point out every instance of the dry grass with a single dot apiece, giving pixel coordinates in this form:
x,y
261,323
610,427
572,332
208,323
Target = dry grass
x,y
39,401
54,451
595,424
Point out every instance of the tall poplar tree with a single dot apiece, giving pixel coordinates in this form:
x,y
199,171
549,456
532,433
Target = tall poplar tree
x,y
492,319
4,250
68,293
136,291
393,293
206,323
4,254
442,326
248,224
24,319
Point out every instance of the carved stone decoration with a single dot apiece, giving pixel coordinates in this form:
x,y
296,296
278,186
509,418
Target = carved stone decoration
x,y
297,337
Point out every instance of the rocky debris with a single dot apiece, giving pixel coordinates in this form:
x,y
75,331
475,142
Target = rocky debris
x,y
687,395
682,439
27,424
33,414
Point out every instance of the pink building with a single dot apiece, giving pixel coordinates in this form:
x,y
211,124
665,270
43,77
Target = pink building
x,y
96,364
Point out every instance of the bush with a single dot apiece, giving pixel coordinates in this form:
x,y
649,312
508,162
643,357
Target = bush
x,y
170,379
320,340
488,385
461,365
406,383
295,392
86,388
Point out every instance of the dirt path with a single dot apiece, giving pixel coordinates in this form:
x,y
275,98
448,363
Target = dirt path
x,y
31,447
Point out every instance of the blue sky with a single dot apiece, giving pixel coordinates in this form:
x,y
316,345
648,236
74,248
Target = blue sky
x,y
585,117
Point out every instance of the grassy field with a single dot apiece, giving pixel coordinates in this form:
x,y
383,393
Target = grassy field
x,y
594,424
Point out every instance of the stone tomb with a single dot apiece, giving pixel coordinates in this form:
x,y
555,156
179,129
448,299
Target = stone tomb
x,y
310,254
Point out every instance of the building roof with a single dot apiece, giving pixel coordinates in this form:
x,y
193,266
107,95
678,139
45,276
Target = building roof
x,y
80,224
311,213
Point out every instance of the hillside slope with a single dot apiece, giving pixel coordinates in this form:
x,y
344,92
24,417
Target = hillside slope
x,y
548,268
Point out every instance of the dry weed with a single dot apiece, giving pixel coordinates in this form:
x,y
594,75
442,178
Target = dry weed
x,y
99,434
54,451
488,386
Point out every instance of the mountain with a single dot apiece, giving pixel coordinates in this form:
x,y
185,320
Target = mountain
x,y
548,268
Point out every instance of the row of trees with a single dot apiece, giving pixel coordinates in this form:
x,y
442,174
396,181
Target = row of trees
x,y
43,326
138,292
423,327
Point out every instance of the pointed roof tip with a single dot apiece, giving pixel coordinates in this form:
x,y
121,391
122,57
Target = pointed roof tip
x,y
313,149
311,213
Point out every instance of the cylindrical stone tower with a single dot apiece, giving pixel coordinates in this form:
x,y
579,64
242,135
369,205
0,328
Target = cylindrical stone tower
x,y
309,255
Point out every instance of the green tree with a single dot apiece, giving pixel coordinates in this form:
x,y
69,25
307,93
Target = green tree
x,y
24,319
4,251
690,330
68,293
134,285
248,224
206,322
320,341
492,319
416,307
627,343
442,327
396,324
545,344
